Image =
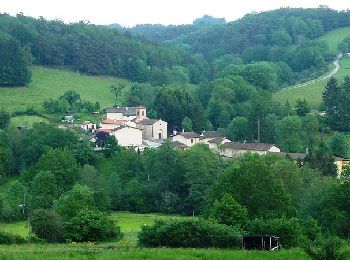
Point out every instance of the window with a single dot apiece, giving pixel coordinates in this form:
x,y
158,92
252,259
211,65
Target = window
x,y
160,135
138,113
192,141
143,113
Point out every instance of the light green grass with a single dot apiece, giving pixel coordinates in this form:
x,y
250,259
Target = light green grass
x,y
52,83
313,92
334,37
117,251
25,120
130,223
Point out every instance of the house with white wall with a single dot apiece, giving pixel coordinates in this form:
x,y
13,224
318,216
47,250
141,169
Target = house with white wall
x,y
153,129
187,138
127,136
233,150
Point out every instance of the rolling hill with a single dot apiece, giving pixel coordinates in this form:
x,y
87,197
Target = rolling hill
x,y
52,83
312,91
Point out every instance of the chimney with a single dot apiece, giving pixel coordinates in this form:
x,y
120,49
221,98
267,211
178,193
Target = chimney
x,y
183,130
174,132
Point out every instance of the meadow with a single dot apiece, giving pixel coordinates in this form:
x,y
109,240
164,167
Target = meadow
x,y
52,83
312,92
130,224
118,251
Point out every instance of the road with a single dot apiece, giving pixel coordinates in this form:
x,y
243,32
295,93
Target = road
x,y
330,74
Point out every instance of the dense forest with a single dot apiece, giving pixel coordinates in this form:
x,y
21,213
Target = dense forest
x,y
86,48
285,35
163,55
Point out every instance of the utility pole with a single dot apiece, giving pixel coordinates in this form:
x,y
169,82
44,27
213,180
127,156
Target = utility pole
x,y
258,130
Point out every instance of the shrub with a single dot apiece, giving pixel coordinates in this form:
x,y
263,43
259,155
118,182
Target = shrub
x,y
228,211
47,224
91,225
327,248
289,230
189,233
8,239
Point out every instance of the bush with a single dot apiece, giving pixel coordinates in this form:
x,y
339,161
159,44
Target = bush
x,y
93,226
8,239
289,230
47,225
189,233
327,248
228,211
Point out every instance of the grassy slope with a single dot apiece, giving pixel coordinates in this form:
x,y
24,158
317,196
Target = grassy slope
x,y
52,83
334,37
313,92
25,120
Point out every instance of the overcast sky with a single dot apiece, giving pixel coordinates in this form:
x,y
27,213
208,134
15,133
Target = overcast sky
x,y
131,12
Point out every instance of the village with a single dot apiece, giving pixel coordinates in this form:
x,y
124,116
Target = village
x,y
132,129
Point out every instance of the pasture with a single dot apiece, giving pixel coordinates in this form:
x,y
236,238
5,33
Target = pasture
x,y
312,92
52,83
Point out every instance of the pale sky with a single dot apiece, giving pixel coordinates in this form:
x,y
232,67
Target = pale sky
x,y
131,12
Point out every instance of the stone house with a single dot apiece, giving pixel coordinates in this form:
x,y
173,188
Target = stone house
x,y
233,150
153,129
187,138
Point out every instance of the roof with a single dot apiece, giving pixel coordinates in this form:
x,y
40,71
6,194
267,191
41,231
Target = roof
x,y
179,144
248,146
147,121
189,135
124,126
126,111
217,140
211,134
112,121
293,156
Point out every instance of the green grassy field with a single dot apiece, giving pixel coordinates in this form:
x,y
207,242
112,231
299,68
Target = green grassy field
x,y
52,83
116,251
313,92
334,37
25,120
130,224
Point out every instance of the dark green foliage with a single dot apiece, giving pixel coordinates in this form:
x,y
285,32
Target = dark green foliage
x,y
254,171
47,225
327,248
186,124
69,102
43,136
9,239
227,211
189,233
86,48
336,99
302,107
289,230
11,201
43,191
13,63
174,104
92,226
62,164
339,145
4,119
7,155
77,199
322,159
289,134
238,129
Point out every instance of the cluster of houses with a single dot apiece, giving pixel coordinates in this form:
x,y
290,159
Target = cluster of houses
x,y
133,129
